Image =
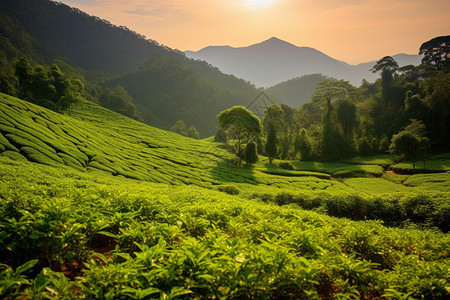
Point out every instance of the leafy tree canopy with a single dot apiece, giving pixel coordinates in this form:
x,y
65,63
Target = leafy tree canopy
x,y
411,143
192,133
436,52
251,153
387,63
273,115
240,123
240,120
271,143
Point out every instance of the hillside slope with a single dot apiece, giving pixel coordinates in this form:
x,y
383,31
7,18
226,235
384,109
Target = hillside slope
x,y
79,217
93,139
96,49
165,91
297,91
81,40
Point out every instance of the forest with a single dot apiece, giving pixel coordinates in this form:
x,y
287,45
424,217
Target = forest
x,y
405,112
146,176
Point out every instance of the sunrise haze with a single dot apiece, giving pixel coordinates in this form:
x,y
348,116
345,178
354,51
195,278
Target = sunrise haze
x,y
352,31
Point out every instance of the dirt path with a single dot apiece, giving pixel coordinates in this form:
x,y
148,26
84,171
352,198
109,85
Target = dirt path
x,y
390,172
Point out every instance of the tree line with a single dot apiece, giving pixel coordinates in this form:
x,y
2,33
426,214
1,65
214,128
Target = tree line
x,y
405,112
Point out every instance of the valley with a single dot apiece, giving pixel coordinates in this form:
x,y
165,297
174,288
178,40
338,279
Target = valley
x,y
94,194
132,170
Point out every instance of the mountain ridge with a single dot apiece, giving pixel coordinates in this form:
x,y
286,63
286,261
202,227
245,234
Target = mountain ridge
x,y
99,51
284,61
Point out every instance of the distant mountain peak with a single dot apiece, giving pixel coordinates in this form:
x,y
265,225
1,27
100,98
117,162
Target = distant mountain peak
x,y
273,61
274,39
274,42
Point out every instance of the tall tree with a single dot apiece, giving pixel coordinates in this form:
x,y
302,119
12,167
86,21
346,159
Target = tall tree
x,y
240,123
328,92
346,116
179,127
273,115
251,153
411,143
333,145
302,145
271,143
23,72
438,101
192,133
387,65
436,52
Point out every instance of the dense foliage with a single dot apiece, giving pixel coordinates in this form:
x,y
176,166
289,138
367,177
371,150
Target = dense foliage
x,y
242,126
164,85
342,120
94,204
88,221
165,91
297,91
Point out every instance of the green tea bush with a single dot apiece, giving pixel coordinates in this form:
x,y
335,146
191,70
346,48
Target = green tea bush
x,y
229,189
286,165
85,233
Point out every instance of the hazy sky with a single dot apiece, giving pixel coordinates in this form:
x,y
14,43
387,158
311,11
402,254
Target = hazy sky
x,y
350,30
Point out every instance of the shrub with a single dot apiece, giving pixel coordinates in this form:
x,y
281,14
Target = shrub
x,y
284,198
229,189
364,148
384,146
286,165
220,136
250,153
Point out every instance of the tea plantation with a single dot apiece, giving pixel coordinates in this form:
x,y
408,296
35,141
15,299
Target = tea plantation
x,y
96,205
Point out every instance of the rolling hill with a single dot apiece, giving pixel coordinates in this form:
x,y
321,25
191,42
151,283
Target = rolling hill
x,y
96,50
297,91
274,61
94,139
97,205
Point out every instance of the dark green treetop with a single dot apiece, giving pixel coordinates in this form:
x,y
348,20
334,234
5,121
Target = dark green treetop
x,y
240,123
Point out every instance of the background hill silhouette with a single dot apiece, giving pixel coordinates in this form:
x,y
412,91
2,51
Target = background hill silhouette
x,y
47,31
274,61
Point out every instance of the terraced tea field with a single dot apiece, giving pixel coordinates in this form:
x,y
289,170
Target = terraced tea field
x,y
96,205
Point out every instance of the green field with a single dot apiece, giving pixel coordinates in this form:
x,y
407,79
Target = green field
x,y
96,205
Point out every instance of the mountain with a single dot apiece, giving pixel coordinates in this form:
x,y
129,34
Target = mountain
x,y
165,91
297,91
99,50
273,61
60,31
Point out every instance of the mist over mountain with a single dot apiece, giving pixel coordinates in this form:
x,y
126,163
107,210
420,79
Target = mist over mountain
x,y
274,61
297,91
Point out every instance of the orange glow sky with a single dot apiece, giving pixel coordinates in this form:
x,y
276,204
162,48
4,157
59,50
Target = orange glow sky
x,y
350,30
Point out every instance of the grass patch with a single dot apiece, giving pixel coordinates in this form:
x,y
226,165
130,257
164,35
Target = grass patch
x,y
376,186
380,160
339,169
434,163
